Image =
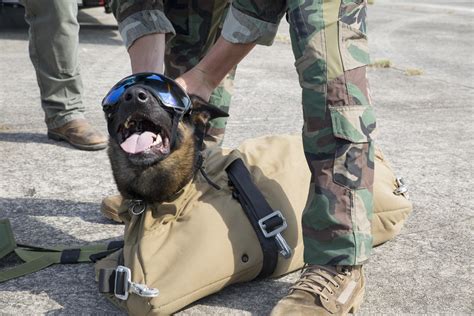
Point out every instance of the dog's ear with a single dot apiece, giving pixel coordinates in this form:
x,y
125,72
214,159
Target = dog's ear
x,y
203,112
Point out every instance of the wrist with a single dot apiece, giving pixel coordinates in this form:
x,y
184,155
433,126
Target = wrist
x,y
194,82
208,81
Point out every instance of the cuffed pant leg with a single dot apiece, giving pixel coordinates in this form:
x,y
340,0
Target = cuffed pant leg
x,y
53,46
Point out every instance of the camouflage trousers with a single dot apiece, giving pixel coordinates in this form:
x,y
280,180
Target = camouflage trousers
x,y
330,46
192,27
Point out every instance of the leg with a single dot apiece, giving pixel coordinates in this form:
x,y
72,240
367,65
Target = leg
x,y
53,45
337,133
330,48
54,40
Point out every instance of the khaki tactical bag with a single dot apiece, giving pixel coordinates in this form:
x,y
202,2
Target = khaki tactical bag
x,y
178,252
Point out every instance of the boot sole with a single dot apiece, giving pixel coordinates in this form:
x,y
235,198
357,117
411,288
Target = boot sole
x,y
92,147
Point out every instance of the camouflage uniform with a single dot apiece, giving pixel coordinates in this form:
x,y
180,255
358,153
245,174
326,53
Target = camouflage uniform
x,y
330,46
191,28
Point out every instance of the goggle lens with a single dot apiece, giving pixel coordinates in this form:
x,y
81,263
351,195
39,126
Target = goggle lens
x,y
162,87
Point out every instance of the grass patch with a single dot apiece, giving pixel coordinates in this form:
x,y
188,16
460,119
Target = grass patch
x,y
281,38
370,1
382,63
413,72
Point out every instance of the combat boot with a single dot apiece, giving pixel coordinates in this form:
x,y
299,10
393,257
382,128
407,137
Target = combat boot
x,y
80,134
111,207
324,290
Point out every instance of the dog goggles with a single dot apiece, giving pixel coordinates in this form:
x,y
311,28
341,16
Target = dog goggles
x,y
171,95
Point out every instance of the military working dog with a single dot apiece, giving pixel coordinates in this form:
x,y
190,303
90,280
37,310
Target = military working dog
x,y
153,155
188,239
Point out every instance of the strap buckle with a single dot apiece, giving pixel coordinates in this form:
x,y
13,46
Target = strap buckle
x,y
285,249
402,188
124,285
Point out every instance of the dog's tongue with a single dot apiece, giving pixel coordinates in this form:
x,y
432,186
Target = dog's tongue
x,y
138,143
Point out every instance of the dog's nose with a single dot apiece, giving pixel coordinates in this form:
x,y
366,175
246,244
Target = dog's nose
x,y
136,95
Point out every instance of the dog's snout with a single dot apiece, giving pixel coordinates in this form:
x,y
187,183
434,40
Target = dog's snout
x,y
136,95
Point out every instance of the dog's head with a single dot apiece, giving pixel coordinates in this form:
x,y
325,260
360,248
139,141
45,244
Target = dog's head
x,y
154,132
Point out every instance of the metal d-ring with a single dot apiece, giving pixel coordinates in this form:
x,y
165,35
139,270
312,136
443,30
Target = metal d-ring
x,y
137,207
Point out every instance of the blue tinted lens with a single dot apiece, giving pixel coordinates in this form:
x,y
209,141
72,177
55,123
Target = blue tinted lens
x,y
169,93
113,96
117,91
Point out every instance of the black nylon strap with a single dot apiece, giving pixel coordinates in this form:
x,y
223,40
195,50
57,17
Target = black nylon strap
x,y
255,207
106,280
70,255
116,244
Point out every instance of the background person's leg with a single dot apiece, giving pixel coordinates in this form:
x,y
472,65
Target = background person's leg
x,y
54,40
53,45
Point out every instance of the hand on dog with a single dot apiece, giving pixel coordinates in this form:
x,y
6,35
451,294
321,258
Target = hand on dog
x,y
195,82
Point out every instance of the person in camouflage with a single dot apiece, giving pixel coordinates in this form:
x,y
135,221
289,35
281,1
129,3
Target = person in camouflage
x,y
329,43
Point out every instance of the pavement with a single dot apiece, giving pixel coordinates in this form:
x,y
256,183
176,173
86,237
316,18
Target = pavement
x,y
51,193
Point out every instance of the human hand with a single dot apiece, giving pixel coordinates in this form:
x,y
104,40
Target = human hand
x,y
195,82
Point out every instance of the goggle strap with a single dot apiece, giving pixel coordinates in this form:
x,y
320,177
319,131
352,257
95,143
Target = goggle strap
x,y
174,129
201,134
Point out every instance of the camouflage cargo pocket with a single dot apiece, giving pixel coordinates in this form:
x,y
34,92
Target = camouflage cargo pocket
x,y
352,35
354,47
353,127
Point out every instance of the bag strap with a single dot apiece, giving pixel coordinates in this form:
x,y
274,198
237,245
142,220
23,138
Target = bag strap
x,y
37,258
267,223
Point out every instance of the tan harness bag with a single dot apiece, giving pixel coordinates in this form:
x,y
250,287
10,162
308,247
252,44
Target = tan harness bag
x,y
202,241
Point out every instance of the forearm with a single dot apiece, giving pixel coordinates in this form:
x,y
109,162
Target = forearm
x,y
147,53
222,57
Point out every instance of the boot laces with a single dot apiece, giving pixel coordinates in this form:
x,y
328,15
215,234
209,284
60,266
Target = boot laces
x,y
317,278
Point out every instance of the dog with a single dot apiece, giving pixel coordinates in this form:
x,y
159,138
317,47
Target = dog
x,y
190,240
148,162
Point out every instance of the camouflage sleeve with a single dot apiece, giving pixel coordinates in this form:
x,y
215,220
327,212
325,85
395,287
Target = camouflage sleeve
x,y
137,18
253,21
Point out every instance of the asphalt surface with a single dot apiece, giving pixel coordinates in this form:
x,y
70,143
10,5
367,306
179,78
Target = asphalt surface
x,y
51,193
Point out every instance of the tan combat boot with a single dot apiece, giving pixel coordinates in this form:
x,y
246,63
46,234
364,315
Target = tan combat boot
x,y
110,207
80,134
324,290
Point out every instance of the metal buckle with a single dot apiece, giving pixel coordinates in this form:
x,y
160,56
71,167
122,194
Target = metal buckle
x,y
128,280
401,187
285,249
137,207
132,287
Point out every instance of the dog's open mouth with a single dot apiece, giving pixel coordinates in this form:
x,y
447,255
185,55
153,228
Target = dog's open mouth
x,y
141,136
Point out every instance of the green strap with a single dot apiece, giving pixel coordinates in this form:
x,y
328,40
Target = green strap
x,y
63,255
37,258
7,242
25,268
